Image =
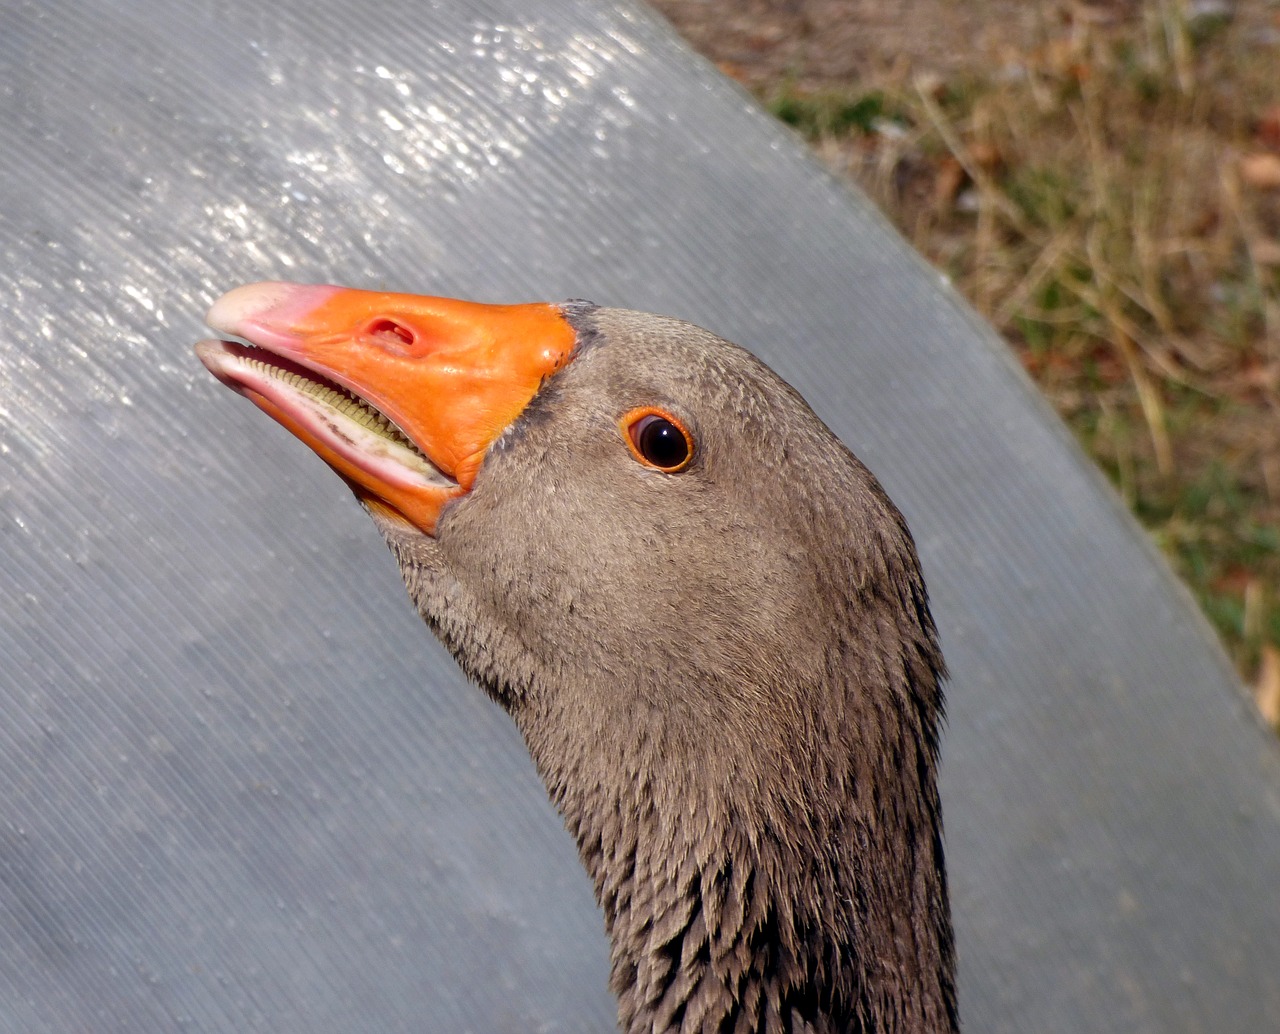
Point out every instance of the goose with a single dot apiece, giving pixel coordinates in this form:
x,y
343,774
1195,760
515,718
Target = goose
x,y
703,613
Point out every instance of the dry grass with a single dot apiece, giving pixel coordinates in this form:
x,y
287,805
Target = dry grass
x,y
1102,181
1110,199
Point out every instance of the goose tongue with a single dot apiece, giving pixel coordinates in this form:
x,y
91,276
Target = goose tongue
x,y
449,375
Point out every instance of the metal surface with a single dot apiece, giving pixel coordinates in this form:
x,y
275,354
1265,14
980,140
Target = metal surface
x,y
242,787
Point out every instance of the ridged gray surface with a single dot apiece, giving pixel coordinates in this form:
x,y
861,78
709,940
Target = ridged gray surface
x,y
244,790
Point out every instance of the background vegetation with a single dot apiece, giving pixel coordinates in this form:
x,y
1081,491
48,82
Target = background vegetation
x,y
1103,183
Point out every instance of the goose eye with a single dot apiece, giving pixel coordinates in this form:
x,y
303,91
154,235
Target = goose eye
x,y
658,439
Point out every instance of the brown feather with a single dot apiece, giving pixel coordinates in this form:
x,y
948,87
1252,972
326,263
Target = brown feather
x,y
728,679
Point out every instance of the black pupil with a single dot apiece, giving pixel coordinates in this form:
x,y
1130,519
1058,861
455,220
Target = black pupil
x,y
661,443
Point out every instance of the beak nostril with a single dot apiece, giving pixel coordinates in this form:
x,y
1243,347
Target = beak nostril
x,y
389,332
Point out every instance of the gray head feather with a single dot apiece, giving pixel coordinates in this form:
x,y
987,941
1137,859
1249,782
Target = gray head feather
x,y
728,679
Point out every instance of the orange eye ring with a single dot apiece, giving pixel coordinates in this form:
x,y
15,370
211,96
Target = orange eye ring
x,y
657,439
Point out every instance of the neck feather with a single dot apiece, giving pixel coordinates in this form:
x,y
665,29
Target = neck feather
x,y
759,815
806,897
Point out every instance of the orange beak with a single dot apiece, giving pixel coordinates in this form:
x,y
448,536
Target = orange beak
x,y
400,394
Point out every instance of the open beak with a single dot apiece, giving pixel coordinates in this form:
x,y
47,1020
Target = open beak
x,y
398,393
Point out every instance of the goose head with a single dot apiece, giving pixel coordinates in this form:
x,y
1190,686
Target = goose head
x,y
701,610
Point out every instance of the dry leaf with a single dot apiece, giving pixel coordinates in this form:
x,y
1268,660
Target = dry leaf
x,y
1059,55
1268,130
931,84
985,155
1089,14
946,185
1266,691
733,70
1265,252
1261,171
1261,376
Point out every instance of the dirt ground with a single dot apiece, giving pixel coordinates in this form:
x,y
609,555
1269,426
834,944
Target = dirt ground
x,y
818,44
